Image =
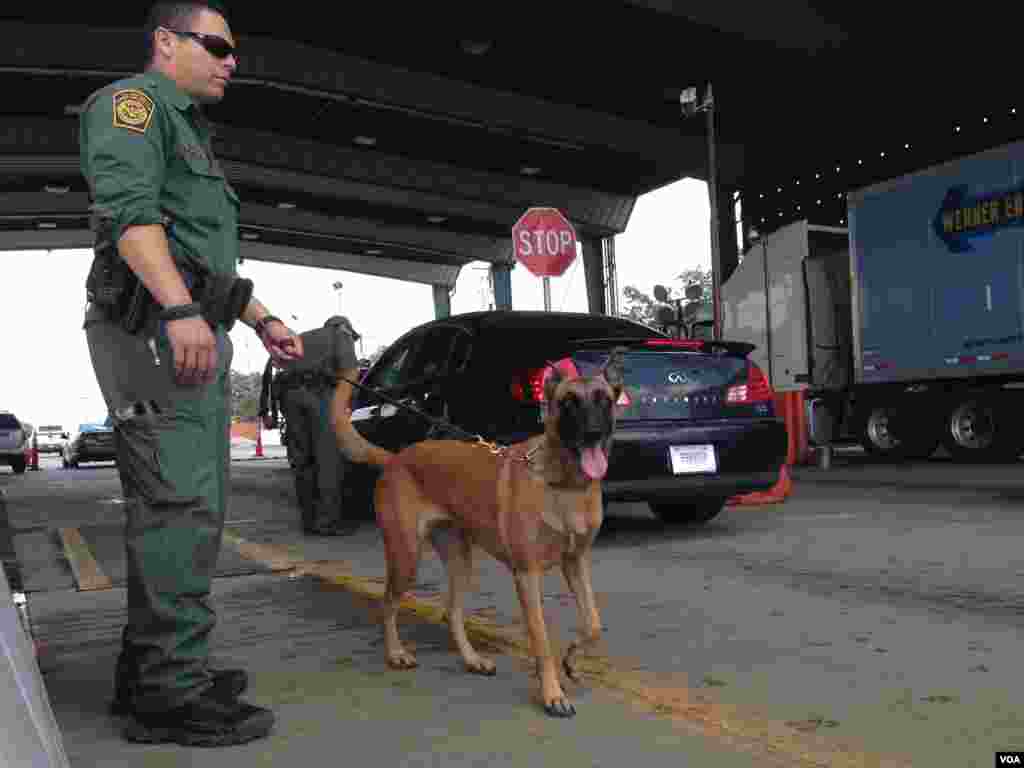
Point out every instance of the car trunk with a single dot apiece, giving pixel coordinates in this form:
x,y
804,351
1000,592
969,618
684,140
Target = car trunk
x,y
670,385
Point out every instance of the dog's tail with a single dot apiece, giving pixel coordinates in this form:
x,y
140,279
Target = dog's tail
x,y
355,447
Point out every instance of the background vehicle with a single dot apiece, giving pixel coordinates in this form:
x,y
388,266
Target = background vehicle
x,y
50,438
15,442
905,330
92,442
364,367
689,317
696,426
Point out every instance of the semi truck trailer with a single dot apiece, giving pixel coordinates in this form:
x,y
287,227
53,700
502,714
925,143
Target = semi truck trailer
x,y
905,329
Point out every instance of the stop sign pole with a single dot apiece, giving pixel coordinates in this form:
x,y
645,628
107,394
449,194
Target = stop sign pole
x,y
544,242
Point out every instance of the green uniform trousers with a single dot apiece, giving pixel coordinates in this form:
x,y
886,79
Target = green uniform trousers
x,y
173,455
315,457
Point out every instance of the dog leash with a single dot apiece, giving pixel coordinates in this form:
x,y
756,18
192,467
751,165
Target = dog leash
x,y
494,448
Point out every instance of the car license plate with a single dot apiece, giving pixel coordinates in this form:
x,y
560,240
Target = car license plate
x,y
691,459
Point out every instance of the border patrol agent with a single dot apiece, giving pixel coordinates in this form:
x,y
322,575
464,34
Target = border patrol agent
x,y
163,294
305,390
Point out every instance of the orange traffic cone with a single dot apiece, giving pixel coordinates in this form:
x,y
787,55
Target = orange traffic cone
x,y
791,404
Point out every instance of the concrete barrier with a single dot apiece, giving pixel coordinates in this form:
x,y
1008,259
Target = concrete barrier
x,y
31,735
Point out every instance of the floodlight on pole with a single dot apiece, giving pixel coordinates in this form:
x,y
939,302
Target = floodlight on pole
x,y
337,287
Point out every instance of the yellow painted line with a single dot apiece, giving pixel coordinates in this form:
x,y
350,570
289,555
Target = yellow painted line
x,y
276,558
691,708
88,574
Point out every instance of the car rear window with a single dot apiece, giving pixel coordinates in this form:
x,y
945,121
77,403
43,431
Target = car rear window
x,y
668,385
50,428
8,422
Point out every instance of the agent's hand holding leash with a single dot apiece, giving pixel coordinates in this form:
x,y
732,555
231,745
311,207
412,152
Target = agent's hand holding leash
x,y
280,341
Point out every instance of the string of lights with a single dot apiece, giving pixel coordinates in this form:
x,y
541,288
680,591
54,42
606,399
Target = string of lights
x,y
820,195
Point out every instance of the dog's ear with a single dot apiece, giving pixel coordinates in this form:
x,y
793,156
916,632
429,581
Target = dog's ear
x,y
614,371
554,378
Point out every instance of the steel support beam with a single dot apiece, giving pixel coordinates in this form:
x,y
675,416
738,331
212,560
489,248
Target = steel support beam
x,y
297,68
45,239
442,302
727,238
611,276
593,268
437,275
47,148
397,269
501,277
716,209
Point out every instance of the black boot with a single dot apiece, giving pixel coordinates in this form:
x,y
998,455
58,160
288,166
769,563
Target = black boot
x,y
230,683
211,720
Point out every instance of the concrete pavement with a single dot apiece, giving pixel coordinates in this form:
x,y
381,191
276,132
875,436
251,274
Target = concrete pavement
x,y
313,653
846,627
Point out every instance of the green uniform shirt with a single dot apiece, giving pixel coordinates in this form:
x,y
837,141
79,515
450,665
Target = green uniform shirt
x,y
145,150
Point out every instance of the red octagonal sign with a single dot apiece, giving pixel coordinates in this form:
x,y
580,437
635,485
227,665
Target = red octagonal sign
x,y
544,242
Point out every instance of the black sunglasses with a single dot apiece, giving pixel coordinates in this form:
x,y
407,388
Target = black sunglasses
x,y
215,45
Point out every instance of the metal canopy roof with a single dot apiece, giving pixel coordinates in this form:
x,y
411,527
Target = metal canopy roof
x,y
423,132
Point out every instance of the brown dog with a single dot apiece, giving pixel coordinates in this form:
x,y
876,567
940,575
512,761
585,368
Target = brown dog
x,y
530,506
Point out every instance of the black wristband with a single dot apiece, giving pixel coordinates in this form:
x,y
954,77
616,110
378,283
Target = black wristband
x,y
261,324
181,311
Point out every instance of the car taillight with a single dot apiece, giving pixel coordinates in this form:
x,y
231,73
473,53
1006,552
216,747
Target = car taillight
x,y
756,390
528,386
696,344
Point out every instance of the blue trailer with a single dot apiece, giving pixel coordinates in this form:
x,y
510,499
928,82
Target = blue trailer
x,y
907,330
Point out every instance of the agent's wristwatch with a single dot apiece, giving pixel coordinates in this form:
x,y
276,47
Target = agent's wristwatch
x,y
263,322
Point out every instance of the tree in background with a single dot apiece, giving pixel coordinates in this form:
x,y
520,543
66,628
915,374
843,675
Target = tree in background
x,y
245,395
642,306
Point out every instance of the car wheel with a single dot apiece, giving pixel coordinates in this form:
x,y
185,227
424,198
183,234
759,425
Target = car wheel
x,y
18,465
696,512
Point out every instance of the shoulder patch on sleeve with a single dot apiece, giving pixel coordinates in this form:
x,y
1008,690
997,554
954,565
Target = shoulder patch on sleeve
x,y
133,110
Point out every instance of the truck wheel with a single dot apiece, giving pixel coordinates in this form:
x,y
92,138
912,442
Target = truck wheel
x,y
876,436
695,512
881,442
975,431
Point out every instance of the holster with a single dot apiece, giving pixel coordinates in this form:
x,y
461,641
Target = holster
x,y
113,287
111,284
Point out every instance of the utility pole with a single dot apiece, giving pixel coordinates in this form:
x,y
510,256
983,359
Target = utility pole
x,y
688,101
716,232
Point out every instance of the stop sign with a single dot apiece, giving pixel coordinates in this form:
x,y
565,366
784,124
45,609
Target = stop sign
x,y
544,242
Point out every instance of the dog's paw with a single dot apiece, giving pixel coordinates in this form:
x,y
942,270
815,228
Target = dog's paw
x,y
402,660
559,707
482,666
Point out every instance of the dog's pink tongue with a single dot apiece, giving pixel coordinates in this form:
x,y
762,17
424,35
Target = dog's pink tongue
x,y
594,463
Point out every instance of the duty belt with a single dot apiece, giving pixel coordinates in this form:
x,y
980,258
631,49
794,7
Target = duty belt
x,y
313,379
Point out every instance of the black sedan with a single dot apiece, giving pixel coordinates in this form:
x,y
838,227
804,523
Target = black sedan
x,y
92,442
696,425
